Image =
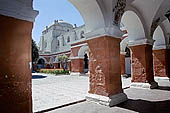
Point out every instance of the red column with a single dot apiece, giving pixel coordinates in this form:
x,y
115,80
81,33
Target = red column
x,y
15,72
123,68
161,63
105,70
142,65
77,65
69,66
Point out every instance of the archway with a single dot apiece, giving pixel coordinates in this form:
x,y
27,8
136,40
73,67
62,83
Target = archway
x,y
83,53
125,57
41,63
141,50
161,53
134,27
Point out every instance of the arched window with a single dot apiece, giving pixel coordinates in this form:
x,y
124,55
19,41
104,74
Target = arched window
x,y
68,39
58,42
63,40
82,34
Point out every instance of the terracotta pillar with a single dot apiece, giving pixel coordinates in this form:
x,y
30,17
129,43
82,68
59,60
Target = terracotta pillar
x,y
122,60
77,66
15,60
161,63
142,66
105,71
69,66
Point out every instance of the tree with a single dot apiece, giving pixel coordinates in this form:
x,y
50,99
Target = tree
x,y
35,54
63,59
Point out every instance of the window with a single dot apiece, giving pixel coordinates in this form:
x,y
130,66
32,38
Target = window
x,y
58,43
68,39
63,40
82,34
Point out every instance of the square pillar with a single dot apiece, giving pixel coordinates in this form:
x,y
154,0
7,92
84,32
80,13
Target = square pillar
x,y
105,71
142,66
15,65
161,63
77,66
123,67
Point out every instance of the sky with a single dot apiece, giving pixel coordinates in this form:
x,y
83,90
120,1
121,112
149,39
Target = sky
x,y
50,10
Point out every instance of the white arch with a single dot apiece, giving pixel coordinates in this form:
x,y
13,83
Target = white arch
x,y
159,37
82,51
124,44
98,17
165,25
133,25
41,57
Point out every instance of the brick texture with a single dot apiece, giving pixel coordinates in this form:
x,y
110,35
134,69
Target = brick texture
x,y
142,64
104,64
161,63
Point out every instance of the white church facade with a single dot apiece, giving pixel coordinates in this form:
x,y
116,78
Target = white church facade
x,y
62,38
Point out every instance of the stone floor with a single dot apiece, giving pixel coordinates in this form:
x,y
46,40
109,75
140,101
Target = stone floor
x,y
139,101
51,91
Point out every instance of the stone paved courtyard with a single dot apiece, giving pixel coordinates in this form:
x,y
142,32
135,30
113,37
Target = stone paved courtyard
x,y
50,91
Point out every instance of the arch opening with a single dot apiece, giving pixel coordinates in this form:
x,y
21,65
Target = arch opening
x,y
133,25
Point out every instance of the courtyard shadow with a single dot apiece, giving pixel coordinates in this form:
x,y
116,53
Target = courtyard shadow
x,y
38,76
166,88
143,106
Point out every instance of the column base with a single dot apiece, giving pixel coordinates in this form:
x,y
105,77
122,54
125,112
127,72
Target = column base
x,y
153,85
79,74
162,78
107,101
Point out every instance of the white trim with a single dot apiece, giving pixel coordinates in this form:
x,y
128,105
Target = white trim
x,y
41,57
108,101
78,74
144,85
18,10
140,42
84,44
82,51
161,78
125,35
106,31
72,58
122,53
158,47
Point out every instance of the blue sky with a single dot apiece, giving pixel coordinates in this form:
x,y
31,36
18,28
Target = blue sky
x,y
50,10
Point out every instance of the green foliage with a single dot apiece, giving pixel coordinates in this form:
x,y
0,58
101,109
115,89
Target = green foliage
x,y
63,59
35,52
56,72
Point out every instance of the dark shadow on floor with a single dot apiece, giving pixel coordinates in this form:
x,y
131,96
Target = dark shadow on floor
x,y
143,106
166,88
38,77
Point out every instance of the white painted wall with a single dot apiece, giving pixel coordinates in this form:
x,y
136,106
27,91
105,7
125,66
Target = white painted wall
x,y
56,32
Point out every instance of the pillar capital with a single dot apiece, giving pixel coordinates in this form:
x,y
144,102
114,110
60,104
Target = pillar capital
x,y
113,31
143,41
18,9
